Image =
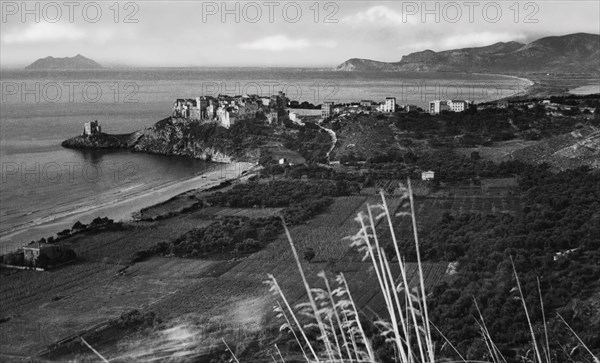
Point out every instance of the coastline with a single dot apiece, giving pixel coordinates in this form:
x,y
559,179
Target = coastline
x,y
530,85
123,210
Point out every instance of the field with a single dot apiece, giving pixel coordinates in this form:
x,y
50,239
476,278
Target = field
x,y
52,305
324,234
499,152
202,299
580,147
216,212
118,246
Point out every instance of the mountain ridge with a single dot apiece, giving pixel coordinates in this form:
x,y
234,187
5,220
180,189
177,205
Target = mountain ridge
x,y
578,52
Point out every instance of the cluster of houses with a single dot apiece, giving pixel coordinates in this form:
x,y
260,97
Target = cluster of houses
x,y
552,108
366,107
390,105
226,109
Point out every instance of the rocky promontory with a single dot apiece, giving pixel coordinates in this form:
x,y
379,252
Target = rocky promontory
x,y
180,137
102,141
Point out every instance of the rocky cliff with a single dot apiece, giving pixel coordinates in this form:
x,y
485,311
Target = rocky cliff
x,y
102,141
179,137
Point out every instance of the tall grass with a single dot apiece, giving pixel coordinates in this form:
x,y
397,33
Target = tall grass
x,y
333,313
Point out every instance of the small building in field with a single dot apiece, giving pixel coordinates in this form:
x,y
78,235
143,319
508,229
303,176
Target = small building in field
x,y
428,175
32,251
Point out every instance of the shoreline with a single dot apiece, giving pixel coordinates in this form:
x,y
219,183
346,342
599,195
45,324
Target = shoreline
x,y
530,85
123,210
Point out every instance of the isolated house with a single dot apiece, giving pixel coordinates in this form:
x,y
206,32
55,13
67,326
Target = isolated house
x,y
428,175
32,251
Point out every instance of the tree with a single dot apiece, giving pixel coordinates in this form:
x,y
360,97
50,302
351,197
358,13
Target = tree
x,y
309,254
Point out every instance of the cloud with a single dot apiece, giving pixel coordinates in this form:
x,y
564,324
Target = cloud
x,y
44,32
379,15
278,43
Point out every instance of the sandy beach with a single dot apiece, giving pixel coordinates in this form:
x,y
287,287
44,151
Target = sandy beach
x,y
530,85
123,209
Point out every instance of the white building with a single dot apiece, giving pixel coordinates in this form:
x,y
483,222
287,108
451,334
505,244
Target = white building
x,y
437,106
427,175
458,105
326,109
224,117
390,104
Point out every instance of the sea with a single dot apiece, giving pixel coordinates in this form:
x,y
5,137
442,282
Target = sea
x,y
46,188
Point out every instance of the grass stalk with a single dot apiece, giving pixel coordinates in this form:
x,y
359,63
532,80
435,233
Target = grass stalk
x,y
280,292
337,317
535,345
596,360
429,342
360,327
292,330
547,349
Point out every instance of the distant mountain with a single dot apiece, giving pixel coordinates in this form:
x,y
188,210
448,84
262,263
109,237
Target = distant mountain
x,y
578,53
67,63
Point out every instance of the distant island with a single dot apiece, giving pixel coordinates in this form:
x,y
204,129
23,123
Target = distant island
x,y
67,63
573,53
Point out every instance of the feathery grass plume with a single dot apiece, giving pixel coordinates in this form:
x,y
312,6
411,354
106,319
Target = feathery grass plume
x,y
336,315
308,292
288,325
275,287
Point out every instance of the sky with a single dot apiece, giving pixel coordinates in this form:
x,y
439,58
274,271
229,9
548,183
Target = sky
x,y
273,33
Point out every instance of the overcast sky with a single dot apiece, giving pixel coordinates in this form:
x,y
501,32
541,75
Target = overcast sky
x,y
272,33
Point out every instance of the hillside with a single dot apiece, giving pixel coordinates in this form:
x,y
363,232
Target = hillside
x,y
67,63
578,53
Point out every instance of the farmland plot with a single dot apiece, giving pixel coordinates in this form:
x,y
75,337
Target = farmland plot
x,y
325,233
214,212
45,307
118,246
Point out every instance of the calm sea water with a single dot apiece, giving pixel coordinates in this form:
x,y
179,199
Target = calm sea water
x,y
43,182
